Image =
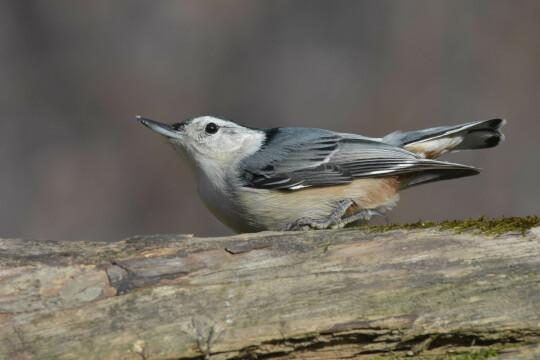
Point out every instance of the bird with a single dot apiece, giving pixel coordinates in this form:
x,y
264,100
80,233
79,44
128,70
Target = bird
x,y
296,178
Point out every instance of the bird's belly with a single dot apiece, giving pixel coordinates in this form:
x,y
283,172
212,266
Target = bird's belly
x,y
272,209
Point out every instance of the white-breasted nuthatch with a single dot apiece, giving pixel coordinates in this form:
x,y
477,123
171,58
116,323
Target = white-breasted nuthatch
x,y
302,178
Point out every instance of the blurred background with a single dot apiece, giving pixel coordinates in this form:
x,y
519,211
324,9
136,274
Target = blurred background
x,y
74,163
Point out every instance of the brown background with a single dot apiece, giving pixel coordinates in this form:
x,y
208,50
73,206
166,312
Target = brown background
x,y
75,164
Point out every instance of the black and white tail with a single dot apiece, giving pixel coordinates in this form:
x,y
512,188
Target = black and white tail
x,y
433,142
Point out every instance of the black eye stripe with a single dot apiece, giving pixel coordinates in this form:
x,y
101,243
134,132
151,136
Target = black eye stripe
x,y
177,126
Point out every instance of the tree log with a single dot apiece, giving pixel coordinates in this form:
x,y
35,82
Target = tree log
x,y
351,293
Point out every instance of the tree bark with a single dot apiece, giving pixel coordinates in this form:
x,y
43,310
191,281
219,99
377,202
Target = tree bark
x,y
319,294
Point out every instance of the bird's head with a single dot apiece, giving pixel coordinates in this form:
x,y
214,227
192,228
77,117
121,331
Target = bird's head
x,y
209,142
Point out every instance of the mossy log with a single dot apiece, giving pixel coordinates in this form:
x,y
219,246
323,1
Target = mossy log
x,y
424,293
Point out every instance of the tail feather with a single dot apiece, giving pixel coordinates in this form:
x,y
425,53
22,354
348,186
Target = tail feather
x,y
486,134
434,142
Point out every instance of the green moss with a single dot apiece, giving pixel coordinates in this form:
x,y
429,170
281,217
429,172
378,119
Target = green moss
x,y
481,225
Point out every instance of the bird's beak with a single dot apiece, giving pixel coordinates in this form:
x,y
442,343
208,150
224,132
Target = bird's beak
x,y
160,128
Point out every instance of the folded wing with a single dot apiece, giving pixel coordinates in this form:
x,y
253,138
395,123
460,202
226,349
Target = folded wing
x,y
296,158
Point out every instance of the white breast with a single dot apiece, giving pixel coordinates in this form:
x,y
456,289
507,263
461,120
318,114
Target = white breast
x,y
221,203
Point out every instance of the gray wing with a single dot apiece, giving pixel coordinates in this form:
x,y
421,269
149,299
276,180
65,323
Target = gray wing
x,y
296,158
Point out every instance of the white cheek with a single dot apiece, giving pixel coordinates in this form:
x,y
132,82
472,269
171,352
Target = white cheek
x,y
221,152
226,149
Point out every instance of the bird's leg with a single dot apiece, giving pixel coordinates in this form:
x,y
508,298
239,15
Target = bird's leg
x,y
334,220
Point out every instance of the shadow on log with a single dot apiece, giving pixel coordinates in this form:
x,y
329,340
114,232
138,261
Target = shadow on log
x,y
421,293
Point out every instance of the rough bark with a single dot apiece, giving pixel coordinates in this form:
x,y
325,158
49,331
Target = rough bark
x,y
320,294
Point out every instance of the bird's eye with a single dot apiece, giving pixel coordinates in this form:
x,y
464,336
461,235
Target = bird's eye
x,y
177,126
211,128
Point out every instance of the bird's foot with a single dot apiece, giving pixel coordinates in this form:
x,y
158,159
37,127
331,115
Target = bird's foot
x,y
335,220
